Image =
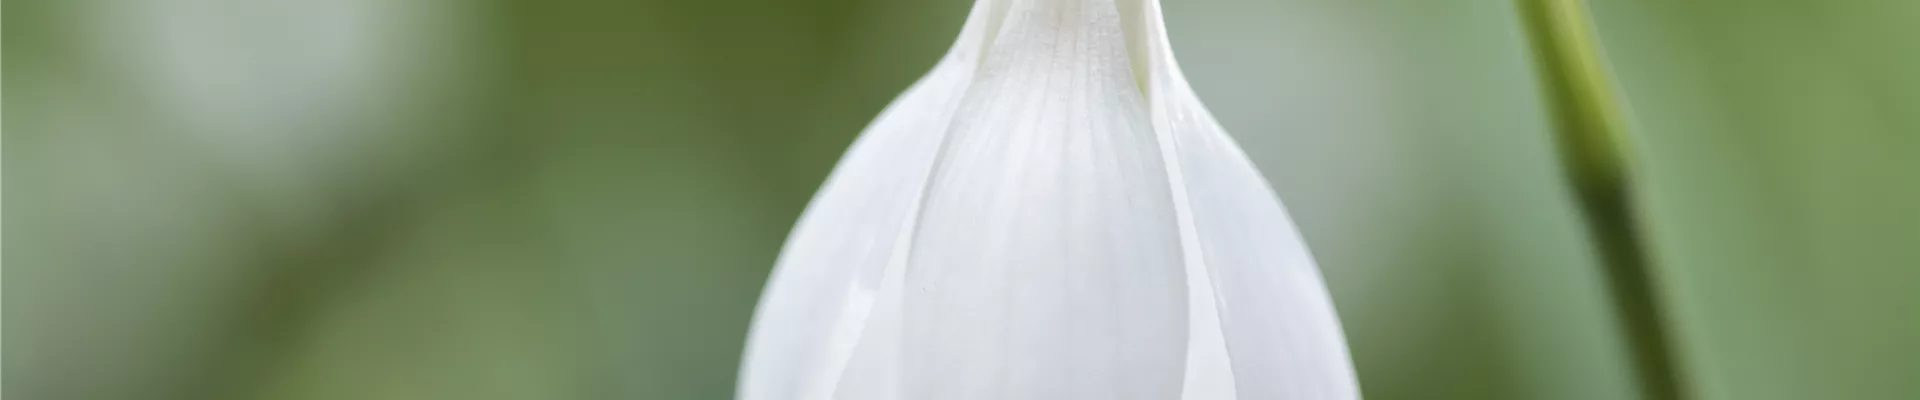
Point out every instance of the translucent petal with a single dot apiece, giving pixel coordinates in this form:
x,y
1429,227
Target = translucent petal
x,y
1275,315
1047,263
824,286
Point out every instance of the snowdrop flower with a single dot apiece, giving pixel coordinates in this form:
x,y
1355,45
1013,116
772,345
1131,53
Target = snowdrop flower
x,y
1049,214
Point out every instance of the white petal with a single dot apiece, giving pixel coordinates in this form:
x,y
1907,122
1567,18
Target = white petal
x,y
1024,223
1276,317
824,286
1047,263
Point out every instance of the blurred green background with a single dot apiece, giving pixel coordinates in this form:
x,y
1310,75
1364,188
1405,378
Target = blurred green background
x,y
570,199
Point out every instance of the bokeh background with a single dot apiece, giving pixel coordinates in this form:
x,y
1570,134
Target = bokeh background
x,y
571,199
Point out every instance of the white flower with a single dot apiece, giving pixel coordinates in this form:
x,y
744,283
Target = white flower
x,y
1049,214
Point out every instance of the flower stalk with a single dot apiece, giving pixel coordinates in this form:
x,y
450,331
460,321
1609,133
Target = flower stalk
x,y
1591,132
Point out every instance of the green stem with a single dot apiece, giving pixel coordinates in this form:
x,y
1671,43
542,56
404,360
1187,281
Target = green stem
x,y
1592,138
